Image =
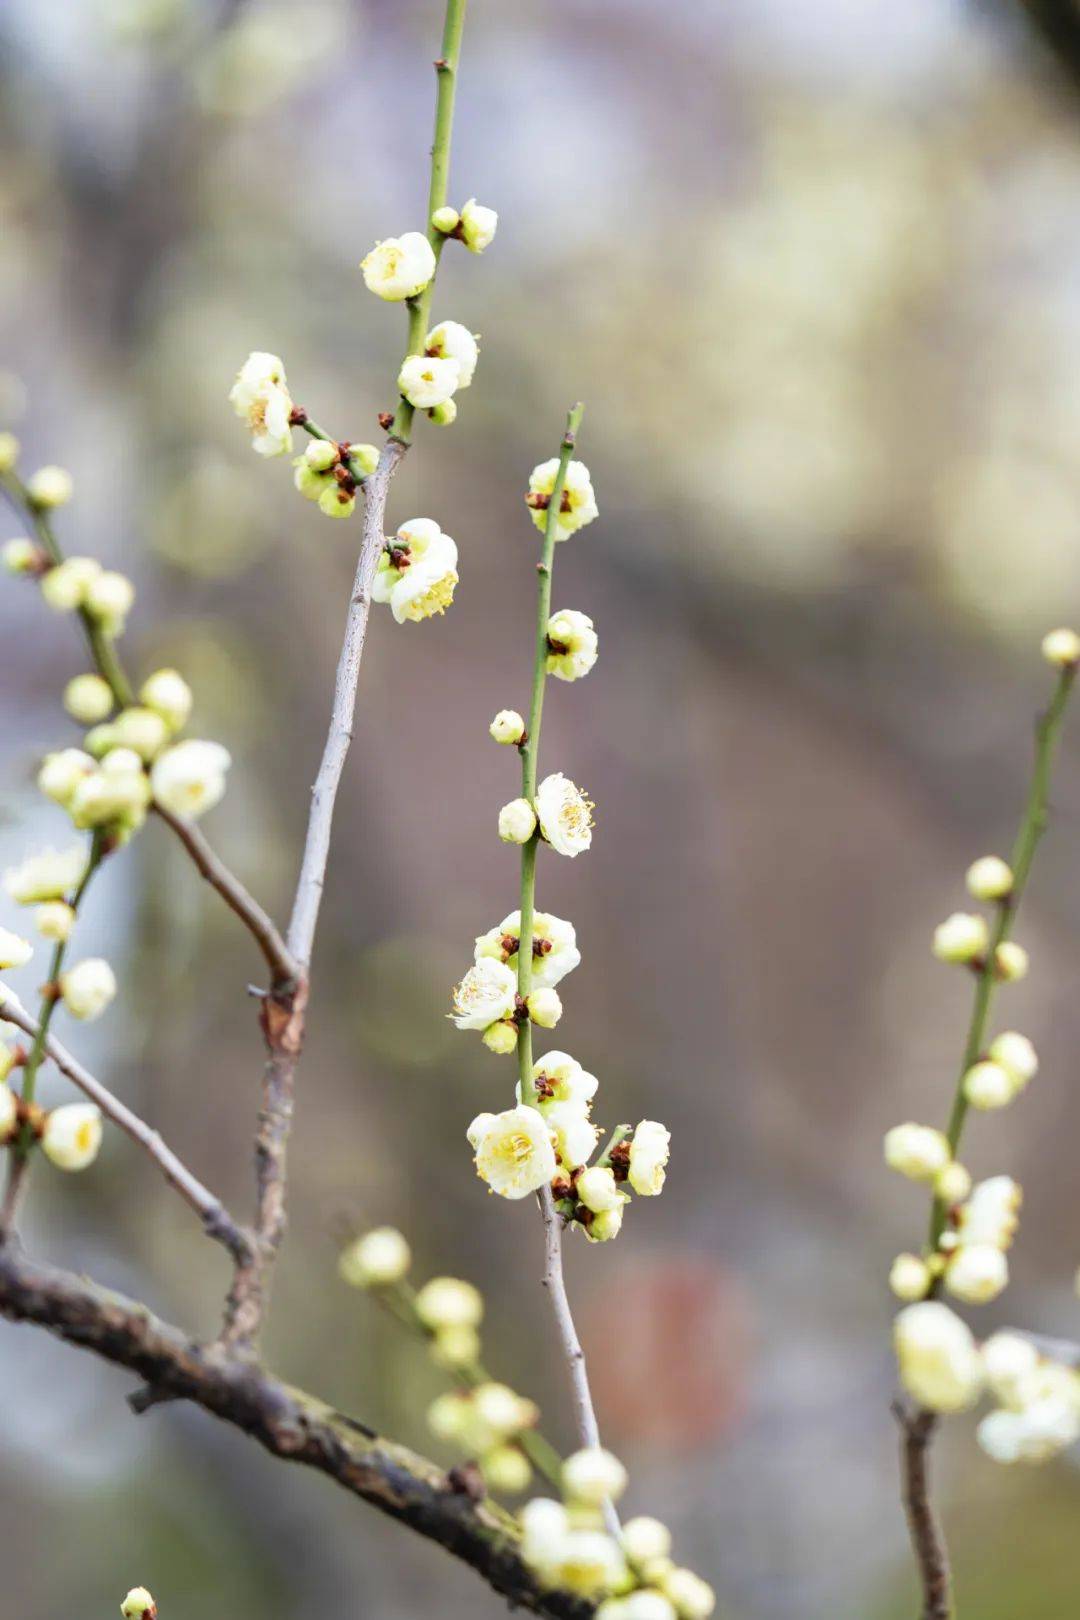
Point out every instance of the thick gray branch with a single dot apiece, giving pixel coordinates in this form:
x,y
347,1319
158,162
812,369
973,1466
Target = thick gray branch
x,y
287,1422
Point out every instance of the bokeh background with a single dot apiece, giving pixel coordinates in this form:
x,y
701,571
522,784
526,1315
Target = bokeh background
x,y
814,269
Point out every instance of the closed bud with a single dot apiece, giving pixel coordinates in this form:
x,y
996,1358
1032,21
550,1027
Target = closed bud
x,y
517,822
88,699
54,920
363,459
138,1605
916,1151
506,1469
953,1183
61,773
15,951
988,1085
644,1539
507,726
336,502
500,1038
909,1277
938,1359
977,1273
593,1476
478,226
545,1007
9,444
989,878
608,1224
50,486
64,587
378,1258
109,597
444,414
141,729
1061,647
321,455
449,1302
88,988
20,556
1011,962
961,937
694,1599
446,220
169,695
597,1190
1015,1053
455,1347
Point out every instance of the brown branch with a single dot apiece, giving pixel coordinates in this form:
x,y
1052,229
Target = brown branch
x,y
917,1430
216,1219
287,1422
259,924
284,1009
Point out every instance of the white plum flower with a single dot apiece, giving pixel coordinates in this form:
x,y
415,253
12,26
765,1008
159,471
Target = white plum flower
x,y
575,1134
189,778
558,1077
478,225
15,951
417,571
400,267
938,1358
427,381
650,1148
72,1136
578,505
564,814
261,396
1009,1361
514,1152
596,1188
50,875
991,1214
1033,1435
589,1563
572,644
555,952
486,995
452,341
88,988
977,1273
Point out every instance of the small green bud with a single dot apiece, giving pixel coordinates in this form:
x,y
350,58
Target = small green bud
x,y
321,455
138,1605
88,699
336,502
446,220
9,452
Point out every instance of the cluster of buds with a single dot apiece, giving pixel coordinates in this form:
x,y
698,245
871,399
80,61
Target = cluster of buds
x,y
631,1573
330,474
485,1419
941,1364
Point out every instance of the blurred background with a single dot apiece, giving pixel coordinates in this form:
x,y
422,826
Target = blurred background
x,y
814,269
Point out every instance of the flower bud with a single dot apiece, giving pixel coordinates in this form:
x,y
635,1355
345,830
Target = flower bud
x,y
989,878
446,220
444,414
169,695
141,729
9,444
88,699
961,937
608,1224
15,951
189,778
399,267
517,822
1061,647
20,556
597,1190
9,1109
938,1359
363,459
72,1136
988,1085
1008,1360
506,1469
138,1605
916,1151
953,1183
321,455
1011,962
500,1038
449,1302
109,597
694,1599
507,726
455,1347
644,1539
427,381
376,1259
977,1273
449,1416
336,502
64,587
593,1476
61,773
88,987
478,226
50,486
100,739
54,920
7,1060
909,1277
545,1007
1015,1053
503,1410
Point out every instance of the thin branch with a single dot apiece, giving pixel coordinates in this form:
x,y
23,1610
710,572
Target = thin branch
x,y
283,965
216,1219
287,1422
917,1430
584,1412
